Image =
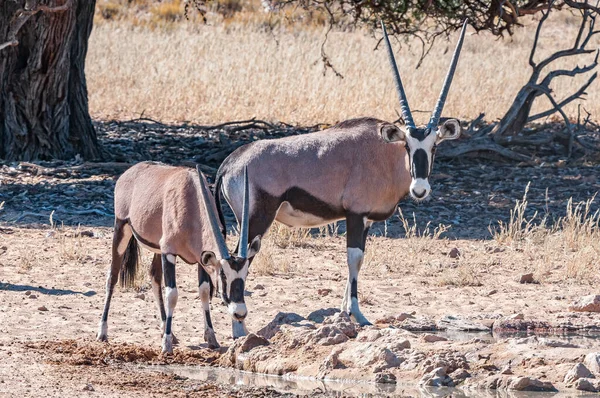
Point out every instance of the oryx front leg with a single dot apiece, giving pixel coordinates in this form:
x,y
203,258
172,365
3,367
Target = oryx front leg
x,y
168,265
357,229
205,289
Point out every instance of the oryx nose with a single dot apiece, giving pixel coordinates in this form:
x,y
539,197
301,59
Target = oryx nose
x,y
419,193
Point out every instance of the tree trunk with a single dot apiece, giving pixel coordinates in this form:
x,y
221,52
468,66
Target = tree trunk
x,y
43,93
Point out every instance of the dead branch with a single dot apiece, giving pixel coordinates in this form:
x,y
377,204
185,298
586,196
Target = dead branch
x,y
483,144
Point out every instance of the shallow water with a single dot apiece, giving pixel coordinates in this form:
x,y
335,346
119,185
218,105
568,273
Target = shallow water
x,y
350,388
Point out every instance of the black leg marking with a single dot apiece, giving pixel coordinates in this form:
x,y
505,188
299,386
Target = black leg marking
x,y
171,283
354,288
115,267
208,320
156,275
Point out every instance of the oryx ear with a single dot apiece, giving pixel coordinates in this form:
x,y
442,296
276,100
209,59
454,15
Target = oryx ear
x,y
392,133
450,130
209,261
254,247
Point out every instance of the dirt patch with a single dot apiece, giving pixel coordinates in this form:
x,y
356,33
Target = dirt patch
x,y
73,352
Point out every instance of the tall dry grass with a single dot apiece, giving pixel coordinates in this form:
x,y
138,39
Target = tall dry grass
x,y
207,73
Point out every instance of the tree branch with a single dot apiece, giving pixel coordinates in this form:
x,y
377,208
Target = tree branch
x,y
566,101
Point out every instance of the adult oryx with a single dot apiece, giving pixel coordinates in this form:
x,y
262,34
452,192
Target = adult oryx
x,y
358,170
171,212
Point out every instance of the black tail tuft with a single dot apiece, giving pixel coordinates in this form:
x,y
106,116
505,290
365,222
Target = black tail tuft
x,y
130,264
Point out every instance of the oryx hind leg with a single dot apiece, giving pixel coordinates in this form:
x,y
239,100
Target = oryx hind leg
x,y
121,237
206,290
156,276
357,228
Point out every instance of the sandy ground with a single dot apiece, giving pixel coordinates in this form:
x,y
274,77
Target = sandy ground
x,y
52,292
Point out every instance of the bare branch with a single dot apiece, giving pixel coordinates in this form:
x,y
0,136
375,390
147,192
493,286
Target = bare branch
x,y
537,35
566,101
573,72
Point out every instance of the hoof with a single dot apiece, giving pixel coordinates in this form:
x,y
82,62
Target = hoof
x,y
102,337
209,337
167,345
361,320
102,332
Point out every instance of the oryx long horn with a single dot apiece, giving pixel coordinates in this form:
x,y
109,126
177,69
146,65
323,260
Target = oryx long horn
x,y
406,115
212,217
437,111
243,244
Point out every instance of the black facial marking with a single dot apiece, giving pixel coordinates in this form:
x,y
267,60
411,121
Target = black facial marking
x,y
418,134
224,284
237,290
354,289
237,263
420,165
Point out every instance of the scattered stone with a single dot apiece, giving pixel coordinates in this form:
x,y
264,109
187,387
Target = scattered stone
x,y
282,318
432,338
259,287
529,384
527,278
419,325
343,322
586,304
50,234
42,308
515,316
385,378
27,293
251,341
454,253
87,233
323,292
450,322
437,378
577,372
140,296
592,362
491,292
319,315
506,370
88,387
32,296
586,384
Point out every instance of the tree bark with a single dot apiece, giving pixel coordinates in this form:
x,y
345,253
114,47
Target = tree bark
x,y
43,93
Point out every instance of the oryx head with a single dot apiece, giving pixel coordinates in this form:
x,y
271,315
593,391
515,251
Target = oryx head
x,y
232,269
421,142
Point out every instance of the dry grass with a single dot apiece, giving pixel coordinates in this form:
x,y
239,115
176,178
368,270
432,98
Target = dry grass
x,y
566,248
176,71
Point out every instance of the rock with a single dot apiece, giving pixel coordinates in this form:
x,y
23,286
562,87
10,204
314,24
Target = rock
x,y
586,304
437,378
491,292
515,317
319,315
87,233
450,322
556,343
32,296
368,335
454,253
506,370
343,322
259,287
404,316
27,293
42,308
526,278
140,296
419,325
577,372
592,362
373,355
585,384
459,375
88,387
331,362
323,292
326,335
432,338
251,341
529,384
282,318
385,378
510,326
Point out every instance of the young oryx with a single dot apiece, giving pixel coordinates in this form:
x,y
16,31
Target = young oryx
x,y
357,170
170,211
